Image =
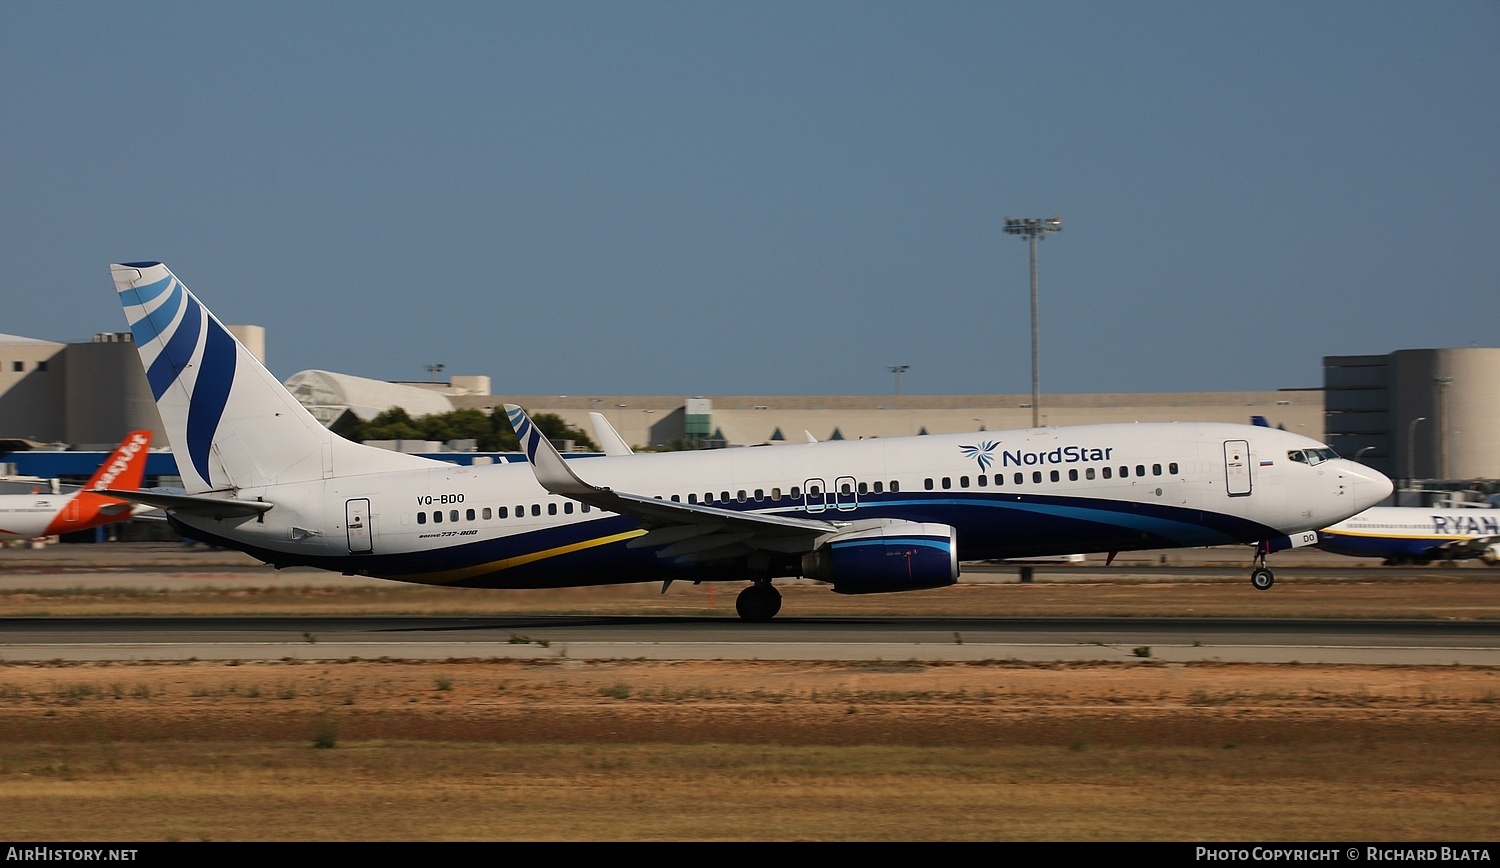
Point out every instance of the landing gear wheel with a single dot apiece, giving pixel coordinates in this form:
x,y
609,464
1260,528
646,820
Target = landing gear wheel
x,y
759,602
1262,579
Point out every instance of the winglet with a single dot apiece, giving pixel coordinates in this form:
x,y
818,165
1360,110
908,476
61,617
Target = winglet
x,y
609,439
551,470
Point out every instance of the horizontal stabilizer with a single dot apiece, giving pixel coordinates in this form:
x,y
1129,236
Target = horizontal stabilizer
x,y
194,504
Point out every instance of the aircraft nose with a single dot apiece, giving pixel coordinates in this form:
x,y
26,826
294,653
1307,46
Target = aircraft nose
x,y
1370,486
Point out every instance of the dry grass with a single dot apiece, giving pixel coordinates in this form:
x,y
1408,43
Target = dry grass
x,y
632,750
636,750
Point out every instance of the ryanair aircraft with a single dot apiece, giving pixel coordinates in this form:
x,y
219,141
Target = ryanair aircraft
x,y
261,475
1417,535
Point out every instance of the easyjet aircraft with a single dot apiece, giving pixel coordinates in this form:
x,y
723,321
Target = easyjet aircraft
x,y
32,516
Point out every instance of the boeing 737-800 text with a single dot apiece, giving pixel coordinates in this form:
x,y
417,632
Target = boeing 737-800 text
x,y
260,474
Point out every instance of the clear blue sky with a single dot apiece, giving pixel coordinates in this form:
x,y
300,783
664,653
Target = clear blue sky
x,y
766,197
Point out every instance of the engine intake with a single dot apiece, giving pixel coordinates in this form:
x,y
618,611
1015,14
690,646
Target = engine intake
x,y
892,556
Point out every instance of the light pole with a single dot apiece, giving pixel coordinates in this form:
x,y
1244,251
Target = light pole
x,y
898,370
1032,229
1411,449
1442,424
433,370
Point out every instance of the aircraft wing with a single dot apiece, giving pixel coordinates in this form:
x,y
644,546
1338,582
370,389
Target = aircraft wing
x,y
694,531
196,504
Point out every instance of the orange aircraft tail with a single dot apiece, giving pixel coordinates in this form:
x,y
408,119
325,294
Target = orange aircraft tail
x,y
124,468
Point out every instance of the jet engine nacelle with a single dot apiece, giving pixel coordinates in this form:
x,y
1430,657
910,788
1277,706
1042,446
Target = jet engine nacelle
x,y
889,556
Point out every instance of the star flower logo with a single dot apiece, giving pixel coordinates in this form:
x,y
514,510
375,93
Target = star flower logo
x,y
983,453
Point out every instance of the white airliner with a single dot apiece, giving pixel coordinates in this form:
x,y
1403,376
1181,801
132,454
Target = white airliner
x,y
33,516
261,475
1416,535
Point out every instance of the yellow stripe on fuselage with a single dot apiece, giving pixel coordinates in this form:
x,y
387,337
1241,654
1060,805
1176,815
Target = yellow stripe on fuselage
x,y
446,576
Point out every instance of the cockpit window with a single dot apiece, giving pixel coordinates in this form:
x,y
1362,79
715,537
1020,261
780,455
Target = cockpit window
x,y
1312,456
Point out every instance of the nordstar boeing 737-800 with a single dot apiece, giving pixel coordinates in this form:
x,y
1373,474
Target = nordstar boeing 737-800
x,y
261,475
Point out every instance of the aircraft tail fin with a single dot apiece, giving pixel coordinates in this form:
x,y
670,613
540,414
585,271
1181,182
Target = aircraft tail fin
x,y
231,424
125,467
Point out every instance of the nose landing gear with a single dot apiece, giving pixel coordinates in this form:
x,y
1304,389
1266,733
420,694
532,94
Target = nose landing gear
x,y
1261,577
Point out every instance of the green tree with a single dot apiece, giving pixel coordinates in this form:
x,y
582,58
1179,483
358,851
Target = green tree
x,y
392,424
555,429
491,432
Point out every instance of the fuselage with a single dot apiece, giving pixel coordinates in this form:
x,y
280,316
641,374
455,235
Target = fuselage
x,y
32,516
1023,493
1409,534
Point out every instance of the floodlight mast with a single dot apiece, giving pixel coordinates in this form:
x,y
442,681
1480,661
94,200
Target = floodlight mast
x,y
1034,228
898,370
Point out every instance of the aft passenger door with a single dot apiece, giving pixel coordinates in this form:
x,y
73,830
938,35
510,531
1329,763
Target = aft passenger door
x,y
357,523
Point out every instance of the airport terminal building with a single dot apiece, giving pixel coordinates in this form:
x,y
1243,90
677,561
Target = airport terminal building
x,y
1424,415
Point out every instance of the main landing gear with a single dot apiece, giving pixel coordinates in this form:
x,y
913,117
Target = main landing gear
x,y
1261,577
759,602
